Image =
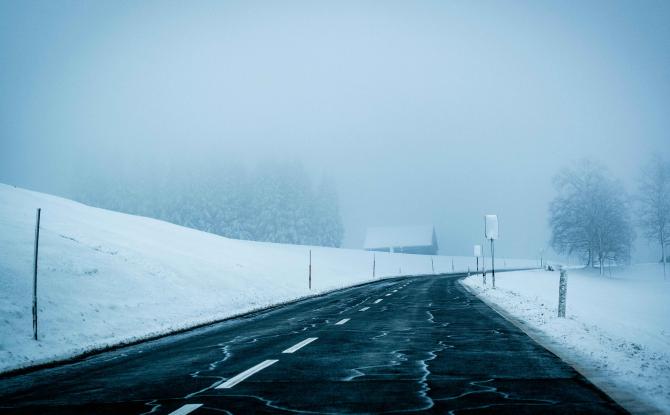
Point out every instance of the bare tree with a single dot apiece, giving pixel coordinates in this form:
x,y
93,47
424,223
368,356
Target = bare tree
x,y
653,205
590,216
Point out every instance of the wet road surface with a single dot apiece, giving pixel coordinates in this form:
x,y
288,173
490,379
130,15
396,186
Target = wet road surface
x,y
407,345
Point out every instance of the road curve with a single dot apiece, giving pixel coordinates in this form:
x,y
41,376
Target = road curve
x,y
407,345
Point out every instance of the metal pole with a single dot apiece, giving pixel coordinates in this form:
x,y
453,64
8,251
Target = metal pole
x,y
310,269
477,265
37,241
493,265
432,264
562,292
483,264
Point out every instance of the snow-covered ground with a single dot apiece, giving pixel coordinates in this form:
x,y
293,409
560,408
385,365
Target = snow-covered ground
x,y
617,329
107,278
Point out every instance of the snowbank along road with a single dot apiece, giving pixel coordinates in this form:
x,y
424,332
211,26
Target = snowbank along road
x,y
413,345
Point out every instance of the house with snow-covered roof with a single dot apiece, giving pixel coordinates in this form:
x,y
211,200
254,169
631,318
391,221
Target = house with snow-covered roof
x,y
403,239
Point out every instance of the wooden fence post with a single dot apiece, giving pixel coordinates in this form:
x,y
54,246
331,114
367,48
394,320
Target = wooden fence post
x,y
562,292
374,265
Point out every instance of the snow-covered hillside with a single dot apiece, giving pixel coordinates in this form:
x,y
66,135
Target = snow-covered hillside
x,y
107,277
617,328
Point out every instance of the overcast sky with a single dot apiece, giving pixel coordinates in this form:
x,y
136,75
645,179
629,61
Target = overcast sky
x,y
423,112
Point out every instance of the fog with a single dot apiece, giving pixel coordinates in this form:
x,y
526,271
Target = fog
x,y
421,112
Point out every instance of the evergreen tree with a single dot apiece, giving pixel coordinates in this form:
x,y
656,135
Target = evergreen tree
x,y
276,203
328,223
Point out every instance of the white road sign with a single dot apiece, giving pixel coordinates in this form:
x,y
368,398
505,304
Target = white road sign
x,y
491,226
478,251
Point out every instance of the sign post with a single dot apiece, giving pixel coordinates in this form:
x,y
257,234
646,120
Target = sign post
x,y
491,233
484,264
37,244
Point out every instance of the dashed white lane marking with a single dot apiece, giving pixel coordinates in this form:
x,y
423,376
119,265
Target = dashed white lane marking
x,y
300,345
239,378
377,301
186,409
344,320
364,309
395,291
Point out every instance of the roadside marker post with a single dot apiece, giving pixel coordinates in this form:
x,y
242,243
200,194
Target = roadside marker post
x,y
562,292
491,233
37,243
310,269
432,265
374,264
478,253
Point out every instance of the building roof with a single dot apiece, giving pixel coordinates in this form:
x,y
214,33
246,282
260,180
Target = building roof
x,y
399,236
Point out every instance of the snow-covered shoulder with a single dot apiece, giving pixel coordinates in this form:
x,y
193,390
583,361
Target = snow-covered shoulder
x,y
617,326
107,278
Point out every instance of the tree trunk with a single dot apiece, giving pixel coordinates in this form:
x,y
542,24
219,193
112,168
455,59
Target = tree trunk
x,y
600,254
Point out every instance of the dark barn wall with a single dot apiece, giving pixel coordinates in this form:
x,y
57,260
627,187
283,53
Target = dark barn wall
x,y
419,250
431,249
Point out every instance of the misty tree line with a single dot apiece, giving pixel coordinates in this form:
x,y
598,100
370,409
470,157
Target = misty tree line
x,y
275,202
592,215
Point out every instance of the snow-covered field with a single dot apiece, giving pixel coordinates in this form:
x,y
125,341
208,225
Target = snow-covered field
x,y
107,278
617,329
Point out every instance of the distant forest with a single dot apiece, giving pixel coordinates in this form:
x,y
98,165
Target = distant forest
x,y
275,202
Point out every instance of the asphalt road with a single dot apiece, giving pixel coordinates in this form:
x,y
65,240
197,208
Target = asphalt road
x,y
411,345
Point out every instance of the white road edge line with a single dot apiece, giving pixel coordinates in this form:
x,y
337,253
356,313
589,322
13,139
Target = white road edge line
x,y
344,320
239,378
364,309
377,301
186,409
300,345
